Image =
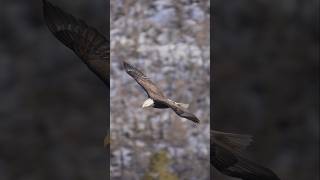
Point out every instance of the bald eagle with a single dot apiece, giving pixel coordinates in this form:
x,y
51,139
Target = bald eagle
x,y
156,98
86,42
225,156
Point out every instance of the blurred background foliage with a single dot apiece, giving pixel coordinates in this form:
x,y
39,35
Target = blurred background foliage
x,y
158,167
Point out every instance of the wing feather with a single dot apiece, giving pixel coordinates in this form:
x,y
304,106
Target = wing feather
x,y
91,46
181,112
151,89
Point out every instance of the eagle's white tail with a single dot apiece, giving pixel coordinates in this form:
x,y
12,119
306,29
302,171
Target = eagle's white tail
x,y
185,106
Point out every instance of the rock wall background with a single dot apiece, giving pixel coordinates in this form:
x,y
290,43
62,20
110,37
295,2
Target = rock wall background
x,y
169,41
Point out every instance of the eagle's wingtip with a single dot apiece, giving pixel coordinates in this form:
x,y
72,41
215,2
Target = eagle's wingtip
x,y
195,119
126,66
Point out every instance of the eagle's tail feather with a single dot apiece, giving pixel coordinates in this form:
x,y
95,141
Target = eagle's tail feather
x,y
183,105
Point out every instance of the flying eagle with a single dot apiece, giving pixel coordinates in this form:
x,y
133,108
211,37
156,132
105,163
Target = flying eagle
x,y
86,42
156,98
225,156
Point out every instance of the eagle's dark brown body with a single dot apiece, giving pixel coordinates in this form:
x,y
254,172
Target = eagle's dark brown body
x,y
160,105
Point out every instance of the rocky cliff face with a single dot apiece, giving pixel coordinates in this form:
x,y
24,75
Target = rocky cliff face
x,y
169,42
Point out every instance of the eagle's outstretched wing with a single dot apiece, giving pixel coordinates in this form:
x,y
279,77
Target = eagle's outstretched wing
x,y
151,89
232,164
91,46
181,111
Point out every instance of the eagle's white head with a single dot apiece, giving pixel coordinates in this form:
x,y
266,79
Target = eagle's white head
x,y
148,103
